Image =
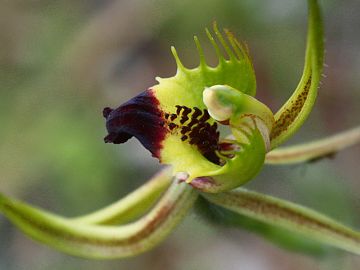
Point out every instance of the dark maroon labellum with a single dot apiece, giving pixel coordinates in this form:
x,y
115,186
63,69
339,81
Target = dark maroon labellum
x,y
139,117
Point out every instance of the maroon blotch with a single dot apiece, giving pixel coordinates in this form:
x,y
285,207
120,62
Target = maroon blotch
x,y
107,111
139,117
197,113
173,116
172,126
205,117
178,109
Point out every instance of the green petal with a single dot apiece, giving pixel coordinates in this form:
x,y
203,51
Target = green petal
x,y
318,149
133,205
101,241
289,216
281,237
295,111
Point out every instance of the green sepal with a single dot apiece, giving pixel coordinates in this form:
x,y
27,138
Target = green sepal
x,y
289,216
102,241
314,150
295,111
278,236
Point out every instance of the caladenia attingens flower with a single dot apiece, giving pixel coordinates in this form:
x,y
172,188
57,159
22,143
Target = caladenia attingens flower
x,y
178,119
208,126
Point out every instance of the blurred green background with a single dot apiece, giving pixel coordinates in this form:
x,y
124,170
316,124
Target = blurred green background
x,y
61,62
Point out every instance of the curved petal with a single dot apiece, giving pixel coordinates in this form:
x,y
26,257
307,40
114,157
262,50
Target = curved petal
x,y
314,150
133,205
289,216
283,238
295,111
100,241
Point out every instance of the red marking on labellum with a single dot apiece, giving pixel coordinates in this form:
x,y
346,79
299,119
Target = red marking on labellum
x,y
172,126
197,131
107,111
226,146
139,117
185,130
197,113
225,122
142,118
205,116
184,116
173,117
203,183
178,109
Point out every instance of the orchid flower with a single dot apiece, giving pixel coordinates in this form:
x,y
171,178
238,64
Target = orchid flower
x,y
178,121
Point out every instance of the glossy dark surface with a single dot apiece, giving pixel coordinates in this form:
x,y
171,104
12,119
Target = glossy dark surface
x,y
139,117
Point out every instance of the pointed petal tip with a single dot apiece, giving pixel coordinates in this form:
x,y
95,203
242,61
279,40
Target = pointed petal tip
x,y
179,64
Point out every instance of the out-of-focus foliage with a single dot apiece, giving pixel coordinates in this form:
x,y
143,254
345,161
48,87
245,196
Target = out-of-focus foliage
x,y
62,61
